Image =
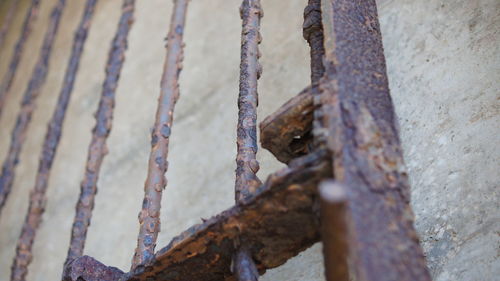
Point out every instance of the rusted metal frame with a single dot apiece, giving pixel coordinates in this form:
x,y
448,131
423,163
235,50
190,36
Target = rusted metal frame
x,y
335,226
149,216
37,201
104,118
9,17
32,91
246,159
8,78
366,151
286,205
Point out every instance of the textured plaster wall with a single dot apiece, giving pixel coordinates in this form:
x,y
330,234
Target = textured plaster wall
x,y
443,64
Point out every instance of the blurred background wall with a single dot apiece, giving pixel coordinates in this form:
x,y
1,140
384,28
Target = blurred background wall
x,y
443,64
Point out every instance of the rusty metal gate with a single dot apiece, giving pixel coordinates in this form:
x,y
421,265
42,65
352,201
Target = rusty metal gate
x,y
344,183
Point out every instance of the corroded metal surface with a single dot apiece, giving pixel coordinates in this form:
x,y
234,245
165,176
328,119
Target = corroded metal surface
x,y
335,230
313,33
244,267
8,78
37,199
149,217
285,206
287,132
104,118
8,21
246,158
359,116
88,269
37,80
250,71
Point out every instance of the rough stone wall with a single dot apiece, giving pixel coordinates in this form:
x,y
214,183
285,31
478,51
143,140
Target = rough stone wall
x,y
443,66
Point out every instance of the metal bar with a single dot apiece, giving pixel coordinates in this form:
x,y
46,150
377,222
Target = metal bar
x,y
37,201
335,230
8,78
285,205
359,117
246,161
8,21
104,118
32,91
312,30
149,217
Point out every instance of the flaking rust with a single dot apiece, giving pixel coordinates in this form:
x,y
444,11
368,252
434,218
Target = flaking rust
x,y
8,79
104,117
358,114
149,217
287,132
37,200
285,205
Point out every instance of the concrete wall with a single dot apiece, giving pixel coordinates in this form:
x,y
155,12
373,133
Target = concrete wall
x,y
443,65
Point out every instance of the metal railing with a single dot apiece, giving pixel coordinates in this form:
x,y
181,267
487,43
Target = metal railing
x,y
344,183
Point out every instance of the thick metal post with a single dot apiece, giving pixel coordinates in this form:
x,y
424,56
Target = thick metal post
x,y
37,201
246,162
359,117
8,79
149,217
8,21
104,118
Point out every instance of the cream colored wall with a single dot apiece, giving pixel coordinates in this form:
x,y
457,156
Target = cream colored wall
x,y
443,68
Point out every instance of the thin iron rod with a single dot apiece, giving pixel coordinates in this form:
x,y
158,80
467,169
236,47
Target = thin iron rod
x,y
54,129
8,78
149,216
246,160
8,21
37,201
34,87
313,33
104,118
335,230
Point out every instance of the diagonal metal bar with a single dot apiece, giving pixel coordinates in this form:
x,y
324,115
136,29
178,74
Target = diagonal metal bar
x,y
37,201
246,161
149,217
8,79
8,21
104,118
37,80
285,205
359,117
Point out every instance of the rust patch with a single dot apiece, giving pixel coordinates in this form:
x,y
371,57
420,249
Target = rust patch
x,y
149,217
287,132
88,269
104,117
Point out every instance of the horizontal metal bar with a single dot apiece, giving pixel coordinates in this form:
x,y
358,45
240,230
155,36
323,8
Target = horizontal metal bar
x,y
277,222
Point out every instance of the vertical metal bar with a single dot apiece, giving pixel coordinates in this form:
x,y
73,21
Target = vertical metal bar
x,y
32,91
367,158
246,163
37,201
335,230
8,78
312,30
104,118
149,217
8,21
